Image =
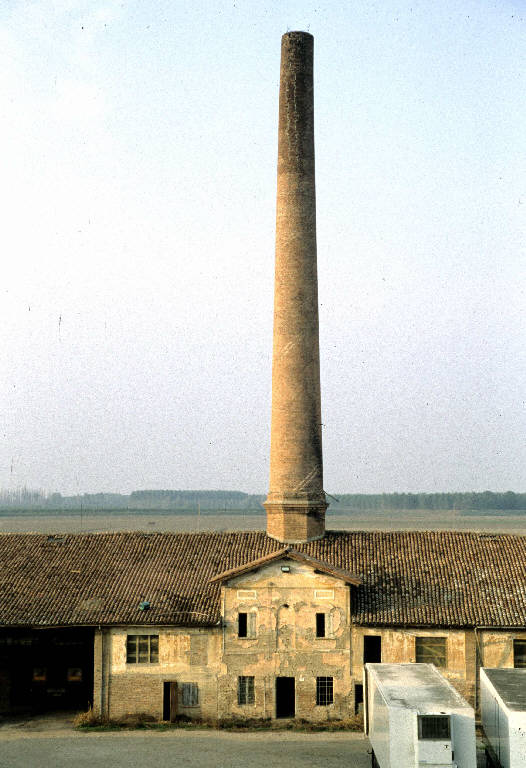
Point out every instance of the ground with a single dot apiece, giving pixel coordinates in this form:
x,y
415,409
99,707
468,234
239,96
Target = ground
x,y
52,742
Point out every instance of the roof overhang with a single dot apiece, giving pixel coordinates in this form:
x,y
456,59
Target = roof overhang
x,y
288,553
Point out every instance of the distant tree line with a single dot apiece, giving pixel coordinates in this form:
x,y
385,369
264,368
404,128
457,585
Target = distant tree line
x,y
454,501
24,498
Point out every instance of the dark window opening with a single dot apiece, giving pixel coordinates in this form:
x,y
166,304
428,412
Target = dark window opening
x,y
324,691
242,625
519,654
245,690
320,625
372,649
431,650
434,727
358,699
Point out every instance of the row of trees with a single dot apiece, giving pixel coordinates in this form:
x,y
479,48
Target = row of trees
x,y
487,500
24,498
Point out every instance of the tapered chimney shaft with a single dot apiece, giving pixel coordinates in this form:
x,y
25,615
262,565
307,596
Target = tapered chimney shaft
x,y
296,502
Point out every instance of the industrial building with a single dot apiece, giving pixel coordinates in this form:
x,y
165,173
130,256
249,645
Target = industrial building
x,y
267,624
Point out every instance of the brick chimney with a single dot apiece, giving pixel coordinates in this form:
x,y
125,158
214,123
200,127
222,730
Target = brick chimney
x,y
296,501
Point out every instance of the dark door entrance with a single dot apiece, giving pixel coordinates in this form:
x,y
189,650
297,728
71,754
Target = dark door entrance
x,y
285,697
372,649
170,702
45,669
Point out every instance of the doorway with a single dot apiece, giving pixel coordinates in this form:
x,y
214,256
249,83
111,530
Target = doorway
x,y
285,697
372,649
170,702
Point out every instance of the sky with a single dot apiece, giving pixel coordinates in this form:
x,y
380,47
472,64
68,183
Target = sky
x,y
138,193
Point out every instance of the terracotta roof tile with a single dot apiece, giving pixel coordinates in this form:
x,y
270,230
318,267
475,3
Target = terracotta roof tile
x,y
418,578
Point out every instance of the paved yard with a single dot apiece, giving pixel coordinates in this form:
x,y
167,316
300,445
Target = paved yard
x,y
51,742
194,749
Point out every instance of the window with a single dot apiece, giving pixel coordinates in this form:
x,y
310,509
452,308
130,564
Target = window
x,y
189,694
245,690
320,625
246,624
434,727
142,649
324,691
519,654
431,650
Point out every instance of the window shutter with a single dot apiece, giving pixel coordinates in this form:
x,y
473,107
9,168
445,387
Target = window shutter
x,y
251,625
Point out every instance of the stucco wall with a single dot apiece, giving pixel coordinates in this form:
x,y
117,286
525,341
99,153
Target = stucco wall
x,y
285,644
186,655
398,646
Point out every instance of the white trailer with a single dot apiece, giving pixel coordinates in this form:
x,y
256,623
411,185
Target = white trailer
x,y
503,716
415,718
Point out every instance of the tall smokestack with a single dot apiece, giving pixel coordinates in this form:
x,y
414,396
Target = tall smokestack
x,y
296,502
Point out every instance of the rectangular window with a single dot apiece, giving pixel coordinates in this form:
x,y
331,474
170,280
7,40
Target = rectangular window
x,y
245,690
324,691
142,649
189,694
241,624
431,650
519,654
435,727
320,625
246,624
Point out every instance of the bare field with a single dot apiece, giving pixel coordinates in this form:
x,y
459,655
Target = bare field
x,y
74,522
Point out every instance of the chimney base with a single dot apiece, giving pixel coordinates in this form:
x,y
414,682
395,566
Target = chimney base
x,y
294,521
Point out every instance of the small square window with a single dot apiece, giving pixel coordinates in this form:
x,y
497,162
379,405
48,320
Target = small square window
x,y
431,650
324,691
189,695
142,649
245,690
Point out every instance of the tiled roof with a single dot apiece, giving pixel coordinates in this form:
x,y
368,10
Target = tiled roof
x,y
418,578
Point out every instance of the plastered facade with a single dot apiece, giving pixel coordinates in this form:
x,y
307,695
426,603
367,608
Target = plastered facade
x,y
186,655
285,644
282,642
398,646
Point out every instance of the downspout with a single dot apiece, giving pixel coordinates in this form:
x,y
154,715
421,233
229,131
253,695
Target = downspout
x,y
102,673
223,618
478,658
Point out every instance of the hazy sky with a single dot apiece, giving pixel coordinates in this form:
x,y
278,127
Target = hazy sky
x,y
138,182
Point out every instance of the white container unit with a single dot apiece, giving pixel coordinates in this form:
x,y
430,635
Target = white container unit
x,y
415,718
503,715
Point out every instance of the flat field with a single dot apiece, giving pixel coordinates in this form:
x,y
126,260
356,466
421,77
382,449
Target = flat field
x,y
337,519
